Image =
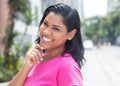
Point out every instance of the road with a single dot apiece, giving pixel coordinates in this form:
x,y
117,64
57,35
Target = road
x,y
102,67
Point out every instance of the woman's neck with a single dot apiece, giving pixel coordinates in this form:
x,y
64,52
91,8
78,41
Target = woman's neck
x,y
52,53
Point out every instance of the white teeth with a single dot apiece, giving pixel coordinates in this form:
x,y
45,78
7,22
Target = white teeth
x,y
46,39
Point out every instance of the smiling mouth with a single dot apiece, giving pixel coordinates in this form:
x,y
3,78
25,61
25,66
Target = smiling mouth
x,y
47,39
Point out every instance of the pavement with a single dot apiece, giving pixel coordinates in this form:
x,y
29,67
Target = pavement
x,y
102,67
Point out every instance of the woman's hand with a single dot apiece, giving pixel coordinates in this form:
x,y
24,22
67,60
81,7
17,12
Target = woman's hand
x,y
34,55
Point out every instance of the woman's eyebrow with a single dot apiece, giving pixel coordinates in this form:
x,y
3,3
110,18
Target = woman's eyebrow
x,y
54,25
45,20
57,26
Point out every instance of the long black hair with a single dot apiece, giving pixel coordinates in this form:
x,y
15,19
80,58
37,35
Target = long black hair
x,y
71,20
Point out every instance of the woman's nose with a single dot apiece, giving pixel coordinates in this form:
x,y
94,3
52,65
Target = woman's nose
x,y
47,32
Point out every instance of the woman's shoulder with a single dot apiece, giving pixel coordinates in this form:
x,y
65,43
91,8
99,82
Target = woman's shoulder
x,y
67,61
69,71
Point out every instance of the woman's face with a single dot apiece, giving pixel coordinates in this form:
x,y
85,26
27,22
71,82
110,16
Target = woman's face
x,y
53,33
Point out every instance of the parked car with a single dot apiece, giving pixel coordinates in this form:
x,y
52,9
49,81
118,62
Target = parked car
x,y
88,44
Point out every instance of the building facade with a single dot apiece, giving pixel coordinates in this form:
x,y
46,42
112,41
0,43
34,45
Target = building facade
x,y
113,4
77,4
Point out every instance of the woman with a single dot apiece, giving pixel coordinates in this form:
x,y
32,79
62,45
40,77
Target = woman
x,y
60,41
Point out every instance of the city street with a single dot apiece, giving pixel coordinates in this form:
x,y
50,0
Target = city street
x,y
102,67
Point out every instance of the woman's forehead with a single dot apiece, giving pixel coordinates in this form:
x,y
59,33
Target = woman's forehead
x,y
55,15
54,18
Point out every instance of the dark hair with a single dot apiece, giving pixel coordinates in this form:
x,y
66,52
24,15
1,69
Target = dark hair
x,y
71,20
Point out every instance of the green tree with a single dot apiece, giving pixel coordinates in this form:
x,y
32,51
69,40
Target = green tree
x,y
111,26
93,28
104,29
16,6
19,10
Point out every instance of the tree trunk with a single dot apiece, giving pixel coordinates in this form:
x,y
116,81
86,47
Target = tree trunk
x,y
9,38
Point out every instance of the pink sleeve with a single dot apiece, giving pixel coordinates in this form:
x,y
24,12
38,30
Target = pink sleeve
x,y
70,76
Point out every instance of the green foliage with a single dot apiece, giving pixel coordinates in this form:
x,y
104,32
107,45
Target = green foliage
x,y
11,59
22,10
1,58
111,25
104,29
19,6
92,28
7,73
29,16
15,62
26,48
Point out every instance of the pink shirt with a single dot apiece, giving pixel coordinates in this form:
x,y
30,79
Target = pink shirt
x,y
60,71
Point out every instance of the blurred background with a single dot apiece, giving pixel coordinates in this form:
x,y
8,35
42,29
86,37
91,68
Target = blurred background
x,y
100,19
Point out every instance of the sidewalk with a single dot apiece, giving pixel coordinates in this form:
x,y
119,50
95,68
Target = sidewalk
x,y
102,67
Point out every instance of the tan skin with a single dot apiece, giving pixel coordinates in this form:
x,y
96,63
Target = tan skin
x,y
53,35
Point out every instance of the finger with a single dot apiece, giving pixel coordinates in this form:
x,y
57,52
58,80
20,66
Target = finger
x,y
41,49
37,53
38,46
32,58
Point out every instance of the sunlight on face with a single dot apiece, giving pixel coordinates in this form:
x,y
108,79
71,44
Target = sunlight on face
x,y
53,32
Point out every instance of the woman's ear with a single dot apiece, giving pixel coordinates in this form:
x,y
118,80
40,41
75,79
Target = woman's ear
x,y
71,34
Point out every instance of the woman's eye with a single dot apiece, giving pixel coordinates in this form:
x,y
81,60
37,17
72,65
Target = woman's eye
x,y
57,29
45,23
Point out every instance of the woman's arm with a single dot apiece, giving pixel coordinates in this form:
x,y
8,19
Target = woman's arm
x,y
19,79
33,56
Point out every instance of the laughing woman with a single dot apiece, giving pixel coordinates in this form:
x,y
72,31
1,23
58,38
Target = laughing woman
x,y
58,55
